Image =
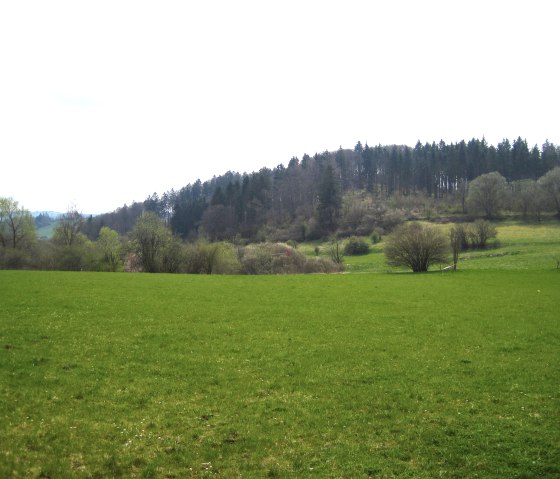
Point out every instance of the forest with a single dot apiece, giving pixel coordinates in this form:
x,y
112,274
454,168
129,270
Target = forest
x,y
342,191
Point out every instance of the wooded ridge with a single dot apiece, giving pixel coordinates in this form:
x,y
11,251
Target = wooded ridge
x,y
305,199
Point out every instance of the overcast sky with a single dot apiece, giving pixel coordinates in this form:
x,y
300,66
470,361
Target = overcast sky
x,y
104,102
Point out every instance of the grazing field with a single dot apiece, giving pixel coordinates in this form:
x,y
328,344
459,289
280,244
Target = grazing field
x,y
354,376
518,246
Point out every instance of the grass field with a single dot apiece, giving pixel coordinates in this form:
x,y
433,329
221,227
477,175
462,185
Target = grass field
x,y
357,375
518,246
354,376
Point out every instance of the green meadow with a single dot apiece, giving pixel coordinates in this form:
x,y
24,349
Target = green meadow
x,y
448,375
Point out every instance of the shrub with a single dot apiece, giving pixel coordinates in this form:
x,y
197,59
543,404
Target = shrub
x,y
480,232
376,236
272,258
14,258
279,258
355,246
322,265
211,258
416,246
336,253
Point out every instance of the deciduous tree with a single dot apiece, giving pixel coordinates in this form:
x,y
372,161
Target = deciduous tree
x,y
69,228
487,194
110,246
17,228
550,183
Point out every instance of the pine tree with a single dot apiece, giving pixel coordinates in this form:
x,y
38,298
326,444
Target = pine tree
x,y
329,200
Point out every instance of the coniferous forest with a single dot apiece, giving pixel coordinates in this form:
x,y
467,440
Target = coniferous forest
x,y
350,191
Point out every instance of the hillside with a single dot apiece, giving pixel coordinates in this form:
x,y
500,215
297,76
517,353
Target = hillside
x,y
316,196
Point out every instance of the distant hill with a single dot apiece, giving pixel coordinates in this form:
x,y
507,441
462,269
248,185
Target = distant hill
x,y
52,214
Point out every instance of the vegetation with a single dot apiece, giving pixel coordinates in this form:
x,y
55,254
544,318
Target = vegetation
x,y
487,194
356,246
353,192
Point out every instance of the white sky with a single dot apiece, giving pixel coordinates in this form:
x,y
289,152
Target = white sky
x,y
105,102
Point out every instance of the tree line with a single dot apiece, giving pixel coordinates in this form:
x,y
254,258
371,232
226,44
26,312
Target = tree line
x,y
306,198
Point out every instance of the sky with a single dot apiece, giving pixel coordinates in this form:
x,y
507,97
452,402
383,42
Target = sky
x,y
104,103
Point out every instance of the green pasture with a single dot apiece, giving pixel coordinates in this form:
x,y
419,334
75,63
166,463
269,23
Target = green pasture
x,y
47,231
433,375
518,246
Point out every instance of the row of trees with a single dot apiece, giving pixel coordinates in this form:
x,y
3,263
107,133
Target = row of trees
x,y
69,248
150,246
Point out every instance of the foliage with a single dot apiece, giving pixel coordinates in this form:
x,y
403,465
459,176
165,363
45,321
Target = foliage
x,y
356,246
112,375
329,200
211,258
17,229
376,236
416,246
456,239
110,246
69,228
379,186
81,255
528,197
336,251
154,245
480,232
550,183
487,194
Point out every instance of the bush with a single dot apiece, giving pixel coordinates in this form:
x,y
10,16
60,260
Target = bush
x,y
279,258
480,232
14,258
356,246
322,265
272,258
376,236
211,258
416,246
292,243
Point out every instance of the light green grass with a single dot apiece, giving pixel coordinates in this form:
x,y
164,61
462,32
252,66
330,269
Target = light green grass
x,y
47,232
518,246
354,376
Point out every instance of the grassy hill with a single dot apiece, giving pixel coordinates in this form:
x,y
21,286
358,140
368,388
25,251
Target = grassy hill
x,y
47,232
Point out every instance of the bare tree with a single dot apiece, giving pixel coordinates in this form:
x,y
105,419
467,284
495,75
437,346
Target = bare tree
x,y
69,227
457,237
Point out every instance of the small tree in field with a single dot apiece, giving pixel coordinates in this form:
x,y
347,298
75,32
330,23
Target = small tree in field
x,y
416,246
457,237
480,232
